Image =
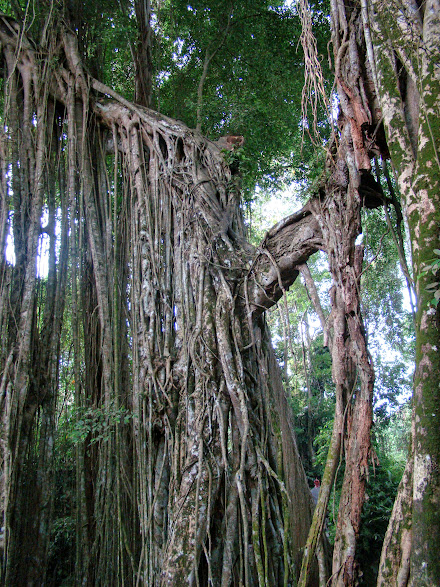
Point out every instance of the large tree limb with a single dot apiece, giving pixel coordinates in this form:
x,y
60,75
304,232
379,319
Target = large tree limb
x,y
287,245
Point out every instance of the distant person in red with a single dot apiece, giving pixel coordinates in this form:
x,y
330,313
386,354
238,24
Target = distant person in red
x,y
315,491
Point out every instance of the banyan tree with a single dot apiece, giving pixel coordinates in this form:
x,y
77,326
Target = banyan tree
x,y
188,472
166,302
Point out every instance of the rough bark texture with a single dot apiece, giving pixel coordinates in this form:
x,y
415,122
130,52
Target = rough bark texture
x,y
189,472
348,186
30,340
404,44
386,66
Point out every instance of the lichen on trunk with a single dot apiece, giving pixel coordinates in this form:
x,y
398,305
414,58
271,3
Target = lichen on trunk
x,y
406,53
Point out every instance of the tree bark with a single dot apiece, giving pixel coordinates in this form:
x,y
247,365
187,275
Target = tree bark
x,y
405,53
217,491
143,61
338,214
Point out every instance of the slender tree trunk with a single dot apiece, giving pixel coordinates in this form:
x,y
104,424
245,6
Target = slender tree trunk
x,y
394,565
338,214
142,54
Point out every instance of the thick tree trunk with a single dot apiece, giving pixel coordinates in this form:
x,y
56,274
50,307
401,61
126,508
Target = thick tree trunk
x,y
217,491
405,52
206,429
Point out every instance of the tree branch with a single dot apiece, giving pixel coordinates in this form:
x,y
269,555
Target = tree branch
x,y
287,245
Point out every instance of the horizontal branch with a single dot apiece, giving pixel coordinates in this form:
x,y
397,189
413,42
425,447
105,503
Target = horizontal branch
x,y
287,245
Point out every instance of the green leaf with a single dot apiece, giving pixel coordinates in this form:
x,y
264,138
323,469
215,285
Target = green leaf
x,y
433,285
